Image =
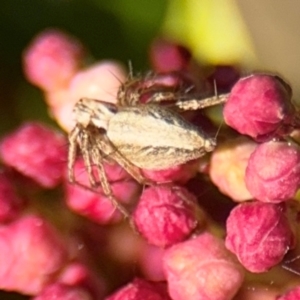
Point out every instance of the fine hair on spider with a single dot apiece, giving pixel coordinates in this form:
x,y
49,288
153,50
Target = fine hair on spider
x,y
136,135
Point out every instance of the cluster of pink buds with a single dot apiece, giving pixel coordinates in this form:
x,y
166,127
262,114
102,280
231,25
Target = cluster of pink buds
x,y
218,227
261,232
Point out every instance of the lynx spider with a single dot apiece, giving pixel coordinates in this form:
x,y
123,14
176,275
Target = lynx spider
x,y
135,135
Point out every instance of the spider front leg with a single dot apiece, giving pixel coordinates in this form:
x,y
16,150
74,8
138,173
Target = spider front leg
x,y
92,156
194,104
79,137
88,153
73,136
161,97
185,104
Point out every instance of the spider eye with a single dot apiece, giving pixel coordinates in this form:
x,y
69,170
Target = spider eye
x,y
110,108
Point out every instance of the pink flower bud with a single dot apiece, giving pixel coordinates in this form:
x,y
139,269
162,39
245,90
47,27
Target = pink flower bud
x,y
165,214
37,152
259,106
273,171
150,260
202,268
167,56
259,234
293,294
95,205
179,174
79,276
228,166
31,253
52,59
99,81
10,203
60,106
59,291
141,289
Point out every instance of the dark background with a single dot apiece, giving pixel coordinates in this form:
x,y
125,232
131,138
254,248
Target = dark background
x,y
113,29
110,29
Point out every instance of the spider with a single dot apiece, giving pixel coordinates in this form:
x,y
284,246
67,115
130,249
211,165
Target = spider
x,y
136,135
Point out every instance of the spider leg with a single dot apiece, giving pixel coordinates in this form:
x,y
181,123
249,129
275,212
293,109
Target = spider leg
x,y
186,104
92,155
131,169
86,154
107,188
109,149
115,202
72,152
194,104
155,98
161,97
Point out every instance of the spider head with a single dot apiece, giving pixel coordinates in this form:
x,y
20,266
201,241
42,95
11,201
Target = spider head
x,y
93,112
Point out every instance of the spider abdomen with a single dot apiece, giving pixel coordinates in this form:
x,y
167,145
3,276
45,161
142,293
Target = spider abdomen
x,y
153,137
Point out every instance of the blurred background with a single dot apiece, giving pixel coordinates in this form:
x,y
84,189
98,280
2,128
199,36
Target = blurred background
x,y
251,34
259,35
